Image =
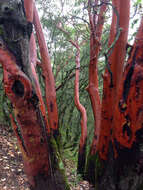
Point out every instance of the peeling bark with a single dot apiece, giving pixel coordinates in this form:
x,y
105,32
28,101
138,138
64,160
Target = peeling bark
x,y
123,168
116,63
42,162
29,9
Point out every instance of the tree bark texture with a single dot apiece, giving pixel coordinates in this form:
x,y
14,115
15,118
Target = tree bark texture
x,y
42,162
96,27
112,77
80,107
123,168
82,110
29,9
48,75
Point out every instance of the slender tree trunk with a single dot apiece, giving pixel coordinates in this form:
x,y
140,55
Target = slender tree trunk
x,y
48,75
29,9
82,110
96,27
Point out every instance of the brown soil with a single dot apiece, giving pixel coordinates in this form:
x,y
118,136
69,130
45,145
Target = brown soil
x,y
12,175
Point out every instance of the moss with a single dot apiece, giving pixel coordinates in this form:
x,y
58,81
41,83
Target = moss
x,y
57,164
90,168
82,160
93,170
141,187
1,31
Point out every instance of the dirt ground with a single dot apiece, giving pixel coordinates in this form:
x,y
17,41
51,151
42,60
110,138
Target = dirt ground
x,y
12,176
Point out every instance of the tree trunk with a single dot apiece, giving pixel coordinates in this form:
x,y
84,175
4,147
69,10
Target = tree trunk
x,y
96,27
49,78
123,168
42,162
82,110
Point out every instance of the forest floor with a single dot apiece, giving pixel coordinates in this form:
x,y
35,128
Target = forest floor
x,y
12,175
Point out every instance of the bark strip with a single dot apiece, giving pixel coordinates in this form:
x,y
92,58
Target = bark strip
x,y
48,75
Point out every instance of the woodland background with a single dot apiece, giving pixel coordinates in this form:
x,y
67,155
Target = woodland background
x,y
64,22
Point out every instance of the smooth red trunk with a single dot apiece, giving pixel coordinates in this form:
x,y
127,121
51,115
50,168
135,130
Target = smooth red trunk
x,y
82,110
111,82
93,90
29,6
48,75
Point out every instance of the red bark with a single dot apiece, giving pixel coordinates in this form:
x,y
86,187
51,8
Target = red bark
x,y
39,150
129,110
48,75
80,107
24,108
39,94
29,5
116,63
41,158
123,166
117,58
82,110
96,26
